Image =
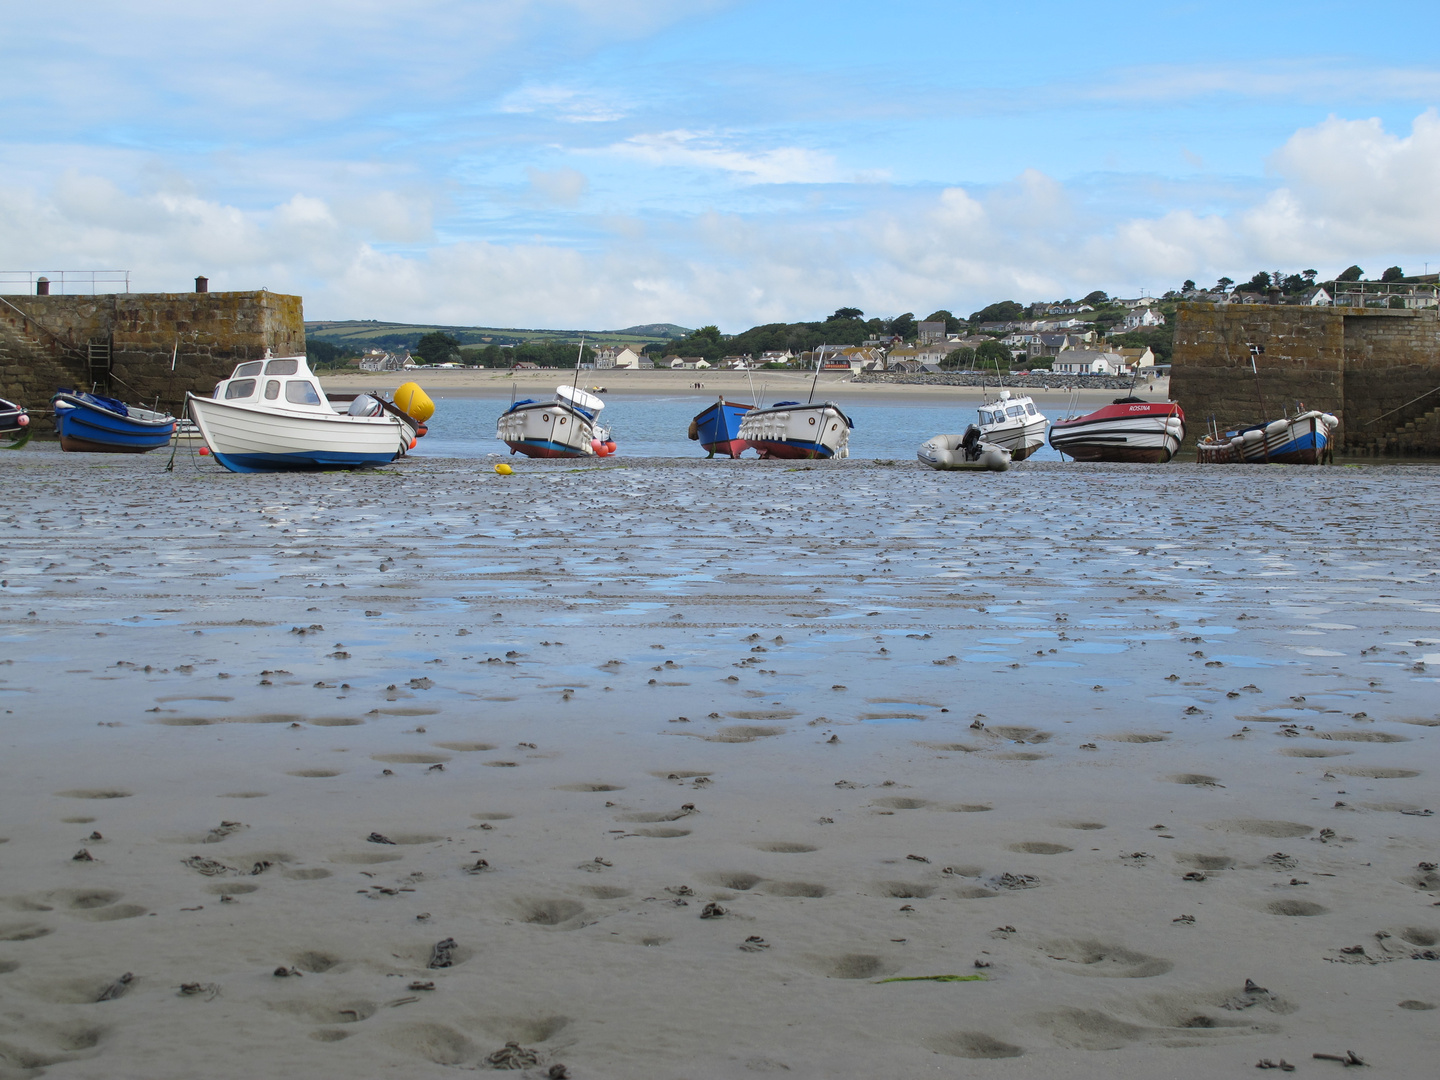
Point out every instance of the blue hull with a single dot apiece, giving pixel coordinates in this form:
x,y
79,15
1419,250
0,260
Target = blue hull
x,y
89,428
719,428
545,448
249,463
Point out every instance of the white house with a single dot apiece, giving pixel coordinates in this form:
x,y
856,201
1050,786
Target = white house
x,y
1141,318
627,358
689,363
1084,362
1137,358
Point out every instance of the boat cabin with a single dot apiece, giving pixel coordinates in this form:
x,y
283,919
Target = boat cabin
x,y
1007,408
277,382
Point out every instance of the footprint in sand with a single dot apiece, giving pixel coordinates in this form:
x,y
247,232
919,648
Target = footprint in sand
x,y
1099,958
590,787
850,965
335,721
95,793
1210,863
904,890
737,880
1194,780
1362,736
741,733
1294,908
1038,847
465,747
551,913
1313,752
434,1042
795,888
900,802
315,774
1136,737
24,931
784,847
1376,772
411,759
1259,827
971,1044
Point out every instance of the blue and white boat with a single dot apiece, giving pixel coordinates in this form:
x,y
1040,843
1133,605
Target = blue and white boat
x,y
717,428
270,416
789,429
91,424
1302,439
566,427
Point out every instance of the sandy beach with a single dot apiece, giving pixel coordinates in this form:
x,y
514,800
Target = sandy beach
x,y
693,770
489,382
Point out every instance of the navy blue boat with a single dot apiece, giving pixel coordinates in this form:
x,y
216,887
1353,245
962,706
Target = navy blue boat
x,y
91,424
717,429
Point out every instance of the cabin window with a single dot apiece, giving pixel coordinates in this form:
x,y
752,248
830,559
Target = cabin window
x,y
1031,410
272,389
301,392
1016,410
282,367
252,368
239,388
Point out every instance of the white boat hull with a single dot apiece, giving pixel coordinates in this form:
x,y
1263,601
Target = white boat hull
x,y
798,431
250,438
1021,437
548,429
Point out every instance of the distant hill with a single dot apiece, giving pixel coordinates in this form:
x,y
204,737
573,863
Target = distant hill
x,y
373,333
657,330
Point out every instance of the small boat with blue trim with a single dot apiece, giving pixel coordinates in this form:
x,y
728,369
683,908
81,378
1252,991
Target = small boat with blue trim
x,y
789,429
717,428
568,426
91,424
270,416
1302,439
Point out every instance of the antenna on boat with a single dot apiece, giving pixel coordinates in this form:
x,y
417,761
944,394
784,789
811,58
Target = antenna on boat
x,y
819,358
578,357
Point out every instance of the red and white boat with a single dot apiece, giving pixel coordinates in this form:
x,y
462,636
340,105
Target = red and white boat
x,y
1129,429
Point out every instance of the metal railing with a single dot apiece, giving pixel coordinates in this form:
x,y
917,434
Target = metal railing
x,y
65,281
1399,294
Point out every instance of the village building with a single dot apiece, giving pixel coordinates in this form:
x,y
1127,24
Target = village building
x,y
1086,362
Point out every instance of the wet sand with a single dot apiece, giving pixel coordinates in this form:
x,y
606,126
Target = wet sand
x,y
498,383
1116,738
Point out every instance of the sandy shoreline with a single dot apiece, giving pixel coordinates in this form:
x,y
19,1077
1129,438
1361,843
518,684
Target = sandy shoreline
x,y
1105,730
488,383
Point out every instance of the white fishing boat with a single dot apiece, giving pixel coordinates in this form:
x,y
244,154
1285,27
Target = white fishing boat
x,y
565,427
1013,423
789,429
1302,439
967,451
271,416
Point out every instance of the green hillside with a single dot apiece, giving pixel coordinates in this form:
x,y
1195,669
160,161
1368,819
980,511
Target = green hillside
x,y
373,333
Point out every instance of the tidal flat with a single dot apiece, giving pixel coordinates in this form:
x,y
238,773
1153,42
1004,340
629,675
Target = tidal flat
x,y
667,766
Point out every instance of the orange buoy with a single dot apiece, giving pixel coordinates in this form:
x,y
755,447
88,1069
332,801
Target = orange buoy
x,y
609,446
204,450
412,444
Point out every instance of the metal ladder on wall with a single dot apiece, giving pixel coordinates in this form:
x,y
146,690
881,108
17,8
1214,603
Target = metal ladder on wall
x,y
98,363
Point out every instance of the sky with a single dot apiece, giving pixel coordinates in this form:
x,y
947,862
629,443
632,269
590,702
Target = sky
x,y
602,163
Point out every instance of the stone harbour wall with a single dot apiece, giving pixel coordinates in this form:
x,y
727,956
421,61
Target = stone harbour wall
x,y
1358,363
125,343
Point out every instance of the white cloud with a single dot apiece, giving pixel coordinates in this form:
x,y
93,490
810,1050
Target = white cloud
x,y
706,151
1343,191
564,187
564,103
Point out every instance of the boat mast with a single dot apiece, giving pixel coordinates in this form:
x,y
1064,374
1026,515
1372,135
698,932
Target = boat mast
x,y
819,357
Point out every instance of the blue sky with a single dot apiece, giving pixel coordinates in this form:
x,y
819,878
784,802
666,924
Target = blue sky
x,y
582,163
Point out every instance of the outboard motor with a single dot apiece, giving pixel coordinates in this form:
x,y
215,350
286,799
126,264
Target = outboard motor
x,y
364,405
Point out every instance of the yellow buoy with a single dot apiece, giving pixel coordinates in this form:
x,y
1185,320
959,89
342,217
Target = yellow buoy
x,y
503,469
410,399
